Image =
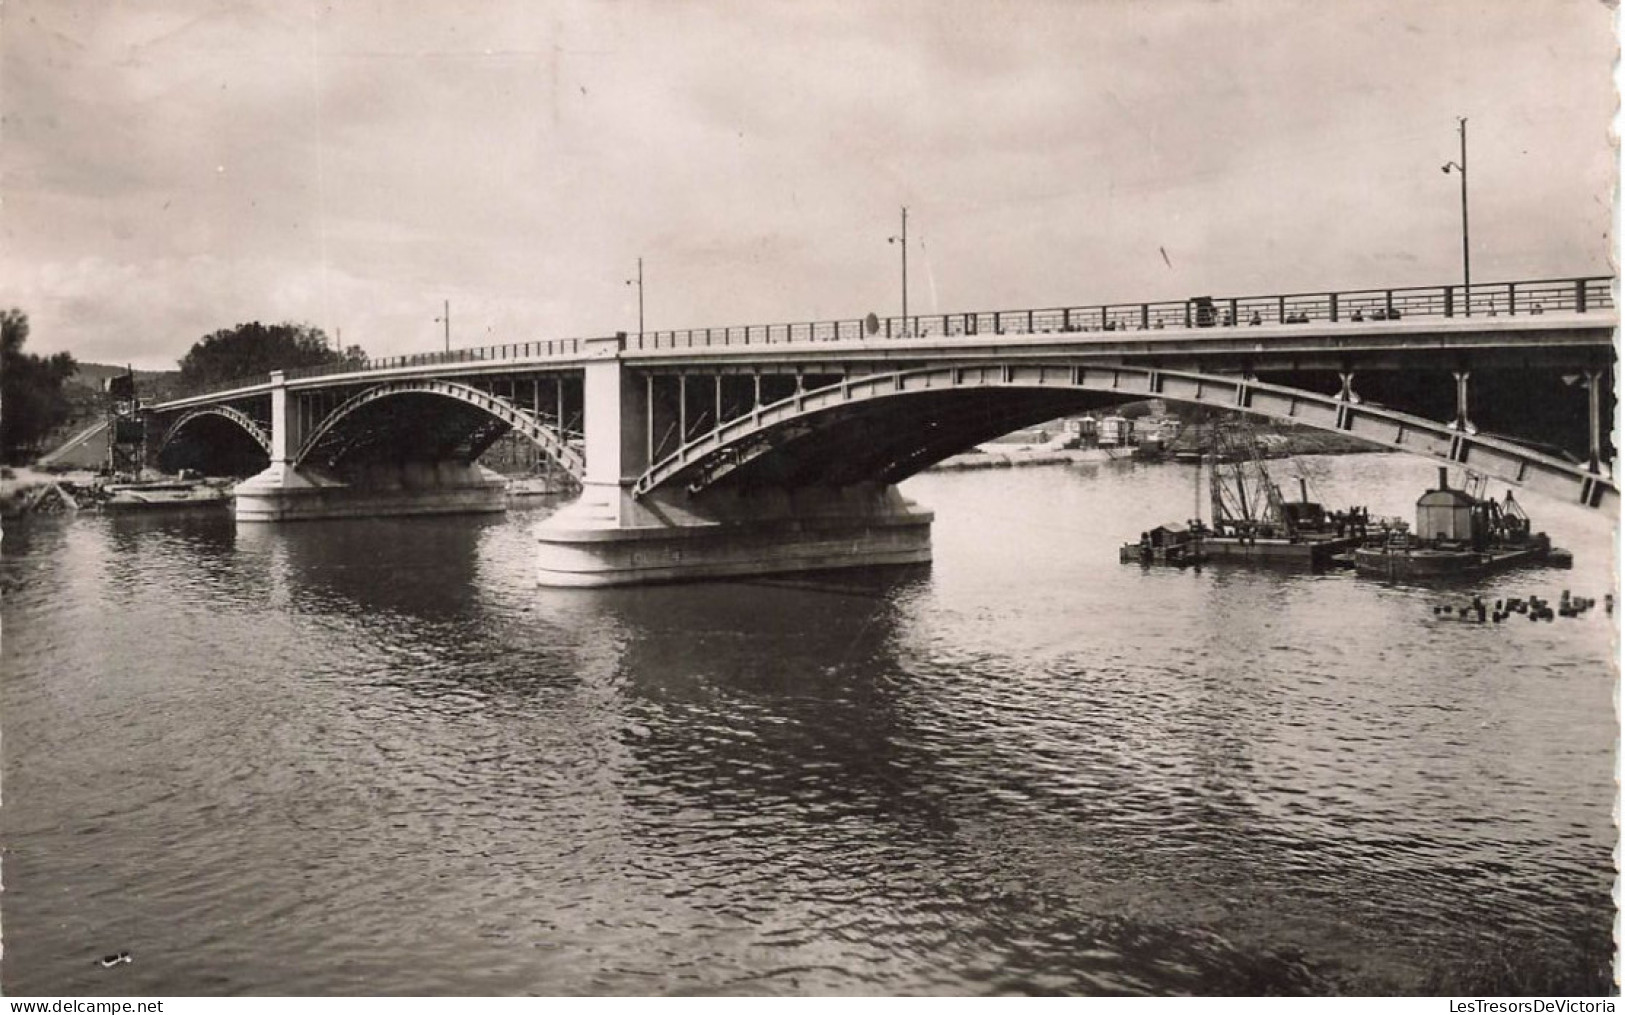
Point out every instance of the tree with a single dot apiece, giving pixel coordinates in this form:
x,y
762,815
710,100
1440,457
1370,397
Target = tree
x,y
32,402
247,353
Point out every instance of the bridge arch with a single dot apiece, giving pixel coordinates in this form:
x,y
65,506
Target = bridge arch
x,y
356,424
247,423
895,424
216,440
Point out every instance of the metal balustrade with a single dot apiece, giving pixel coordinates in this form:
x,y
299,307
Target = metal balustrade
x,y
547,349
1486,299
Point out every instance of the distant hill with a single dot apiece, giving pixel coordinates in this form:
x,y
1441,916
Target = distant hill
x,y
87,404
148,382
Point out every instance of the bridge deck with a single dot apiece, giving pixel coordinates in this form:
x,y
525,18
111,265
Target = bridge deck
x,y
1293,343
1592,330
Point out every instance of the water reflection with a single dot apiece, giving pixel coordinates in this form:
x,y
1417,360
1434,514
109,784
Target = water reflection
x,y
1026,768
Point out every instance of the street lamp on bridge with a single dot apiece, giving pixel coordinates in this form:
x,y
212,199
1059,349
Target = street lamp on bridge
x,y
639,283
1466,262
445,318
903,241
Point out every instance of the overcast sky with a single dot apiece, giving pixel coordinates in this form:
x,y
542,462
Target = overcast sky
x,y
169,168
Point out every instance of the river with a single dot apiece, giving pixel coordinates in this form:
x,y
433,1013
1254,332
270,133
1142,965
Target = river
x,y
374,757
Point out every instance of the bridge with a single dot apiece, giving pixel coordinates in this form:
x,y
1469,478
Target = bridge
x,y
768,448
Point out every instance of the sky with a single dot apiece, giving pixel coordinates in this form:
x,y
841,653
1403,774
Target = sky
x,y
169,168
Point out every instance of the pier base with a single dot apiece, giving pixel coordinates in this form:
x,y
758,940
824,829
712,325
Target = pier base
x,y
608,538
283,493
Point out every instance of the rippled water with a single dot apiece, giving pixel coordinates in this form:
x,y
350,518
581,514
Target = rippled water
x,y
373,757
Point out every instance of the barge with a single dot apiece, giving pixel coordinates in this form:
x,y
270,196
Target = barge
x,y
1254,521
146,496
1178,545
1459,534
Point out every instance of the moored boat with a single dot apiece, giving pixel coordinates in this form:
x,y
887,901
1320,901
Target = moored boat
x,y
163,494
1254,521
1458,533
1178,545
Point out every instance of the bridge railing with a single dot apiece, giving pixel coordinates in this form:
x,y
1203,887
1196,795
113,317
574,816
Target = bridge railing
x,y
558,347
476,354
1488,299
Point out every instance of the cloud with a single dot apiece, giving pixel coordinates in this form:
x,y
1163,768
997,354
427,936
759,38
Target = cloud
x,y
174,167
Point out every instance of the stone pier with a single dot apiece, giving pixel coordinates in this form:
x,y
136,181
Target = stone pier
x,y
284,493
287,491
662,539
608,536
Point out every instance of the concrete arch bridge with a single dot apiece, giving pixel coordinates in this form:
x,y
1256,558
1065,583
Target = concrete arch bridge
x,y
766,448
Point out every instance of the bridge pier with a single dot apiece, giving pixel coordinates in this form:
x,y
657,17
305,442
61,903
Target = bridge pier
x,y
287,491
612,536
665,537
1593,383
1462,422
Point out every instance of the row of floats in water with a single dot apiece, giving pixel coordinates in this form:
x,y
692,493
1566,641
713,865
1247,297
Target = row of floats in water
x,y
1533,607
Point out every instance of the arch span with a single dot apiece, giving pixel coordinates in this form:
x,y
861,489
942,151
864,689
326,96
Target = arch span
x,y
961,405
356,426
249,425
216,440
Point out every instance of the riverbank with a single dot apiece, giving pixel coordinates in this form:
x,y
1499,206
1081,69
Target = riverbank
x,y
1282,442
994,457
32,492
27,491
1277,444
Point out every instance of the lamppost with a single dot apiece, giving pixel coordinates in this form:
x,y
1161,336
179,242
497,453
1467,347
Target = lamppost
x,y
445,318
1466,262
639,283
903,241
